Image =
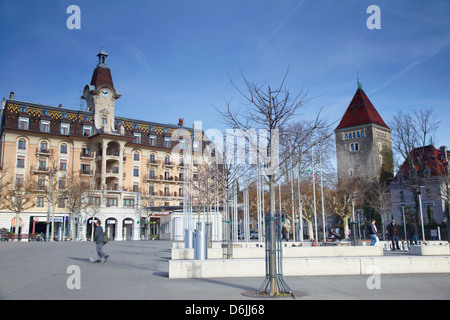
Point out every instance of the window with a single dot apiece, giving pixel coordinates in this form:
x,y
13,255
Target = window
x,y
128,202
111,202
23,123
362,134
85,168
41,182
166,191
195,145
87,131
135,187
19,180
22,144
20,162
42,166
85,152
151,174
167,175
167,142
64,115
180,192
40,202
63,165
136,156
63,148
346,136
96,201
65,129
167,160
23,109
152,140
44,112
45,126
402,196
135,172
61,183
43,146
104,122
137,137
152,158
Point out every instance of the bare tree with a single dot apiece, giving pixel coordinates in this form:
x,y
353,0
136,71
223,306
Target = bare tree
x,y
18,195
411,133
269,108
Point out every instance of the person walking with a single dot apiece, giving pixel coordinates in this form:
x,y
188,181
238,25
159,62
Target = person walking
x,y
99,239
393,234
414,233
284,232
373,233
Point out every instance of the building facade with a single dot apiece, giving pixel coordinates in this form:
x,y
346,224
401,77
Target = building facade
x,y
430,176
361,137
125,165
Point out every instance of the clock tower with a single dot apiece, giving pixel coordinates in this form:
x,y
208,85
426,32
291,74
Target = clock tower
x,y
101,96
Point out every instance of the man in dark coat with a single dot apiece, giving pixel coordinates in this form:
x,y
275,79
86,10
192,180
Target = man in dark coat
x,y
414,233
99,238
393,234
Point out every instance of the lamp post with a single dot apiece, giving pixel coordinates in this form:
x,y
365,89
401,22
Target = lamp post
x,y
420,210
404,220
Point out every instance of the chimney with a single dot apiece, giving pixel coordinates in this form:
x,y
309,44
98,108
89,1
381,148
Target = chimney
x,y
60,105
11,95
181,122
444,156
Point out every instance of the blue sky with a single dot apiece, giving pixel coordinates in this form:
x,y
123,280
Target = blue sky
x,y
174,59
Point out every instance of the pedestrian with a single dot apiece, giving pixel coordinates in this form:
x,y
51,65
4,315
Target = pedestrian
x,y
373,233
414,233
284,232
393,234
99,239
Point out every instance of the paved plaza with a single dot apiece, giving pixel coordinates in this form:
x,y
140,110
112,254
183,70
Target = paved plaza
x,y
139,270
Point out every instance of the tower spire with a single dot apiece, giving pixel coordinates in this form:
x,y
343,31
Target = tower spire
x,y
357,80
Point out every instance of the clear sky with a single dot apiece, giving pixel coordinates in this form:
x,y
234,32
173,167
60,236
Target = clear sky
x,y
174,59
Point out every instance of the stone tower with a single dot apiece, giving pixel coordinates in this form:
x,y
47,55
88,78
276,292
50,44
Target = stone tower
x,y
362,139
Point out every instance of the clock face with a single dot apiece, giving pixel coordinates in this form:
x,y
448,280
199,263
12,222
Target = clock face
x,y
105,93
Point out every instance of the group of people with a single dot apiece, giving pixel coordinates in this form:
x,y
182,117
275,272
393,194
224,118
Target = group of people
x,y
392,233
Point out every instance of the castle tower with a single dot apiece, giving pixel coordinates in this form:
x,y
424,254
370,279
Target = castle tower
x,y
362,140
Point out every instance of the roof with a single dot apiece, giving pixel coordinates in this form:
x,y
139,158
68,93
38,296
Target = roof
x,y
432,158
101,76
360,112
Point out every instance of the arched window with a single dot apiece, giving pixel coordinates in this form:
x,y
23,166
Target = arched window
x,y
43,146
63,148
22,144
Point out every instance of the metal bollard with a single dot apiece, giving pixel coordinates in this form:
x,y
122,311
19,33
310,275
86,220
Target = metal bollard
x,y
200,245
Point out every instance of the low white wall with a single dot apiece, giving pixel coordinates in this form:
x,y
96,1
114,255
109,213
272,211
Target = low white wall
x,y
430,250
254,252
309,266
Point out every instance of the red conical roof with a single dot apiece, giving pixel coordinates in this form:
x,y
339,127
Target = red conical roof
x,y
360,111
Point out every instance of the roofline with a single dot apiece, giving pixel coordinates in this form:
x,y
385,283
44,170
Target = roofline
x,y
363,125
32,104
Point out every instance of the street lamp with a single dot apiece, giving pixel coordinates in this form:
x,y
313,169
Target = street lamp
x,y
404,220
419,193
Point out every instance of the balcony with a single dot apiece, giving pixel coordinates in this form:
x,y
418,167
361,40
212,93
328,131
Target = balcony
x,y
169,164
154,163
44,152
40,170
